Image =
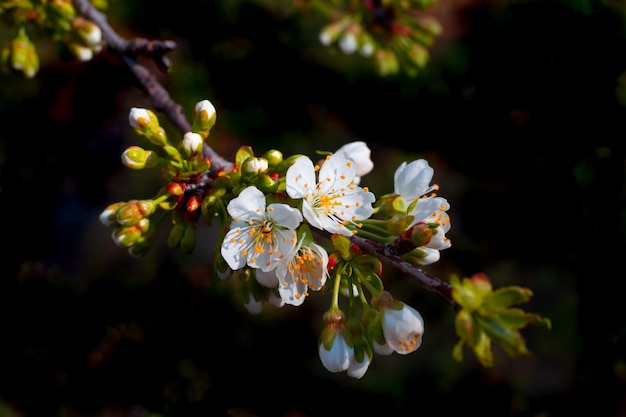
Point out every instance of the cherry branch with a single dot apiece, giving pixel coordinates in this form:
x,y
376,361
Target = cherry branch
x,y
129,50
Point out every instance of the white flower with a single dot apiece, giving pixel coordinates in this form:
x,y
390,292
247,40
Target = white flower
x,y
403,329
334,200
259,237
412,180
412,183
304,269
340,355
361,155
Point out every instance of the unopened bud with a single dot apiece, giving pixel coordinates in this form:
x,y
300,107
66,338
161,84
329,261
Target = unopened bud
x,y
274,157
191,145
386,62
80,52
22,55
175,235
254,166
175,188
421,234
126,236
205,115
135,157
61,9
145,123
108,217
141,247
192,204
188,241
134,212
87,31
266,184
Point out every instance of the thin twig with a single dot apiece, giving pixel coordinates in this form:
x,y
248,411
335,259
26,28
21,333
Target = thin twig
x,y
128,50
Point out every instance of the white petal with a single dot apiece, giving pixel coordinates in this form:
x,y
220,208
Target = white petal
x,y
358,369
382,349
432,256
281,247
403,329
135,114
249,204
338,358
231,249
268,279
336,172
361,154
284,215
413,180
300,177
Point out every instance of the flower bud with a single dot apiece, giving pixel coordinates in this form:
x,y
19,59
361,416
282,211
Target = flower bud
x,y
254,166
175,235
266,184
192,204
348,41
140,118
108,217
145,123
61,9
141,247
135,157
87,31
191,145
175,188
126,236
274,157
421,234
22,55
80,52
188,240
134,211
205,115
386,62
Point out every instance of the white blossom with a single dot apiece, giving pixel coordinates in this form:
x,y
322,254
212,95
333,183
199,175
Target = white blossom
x,y
333,200
259,237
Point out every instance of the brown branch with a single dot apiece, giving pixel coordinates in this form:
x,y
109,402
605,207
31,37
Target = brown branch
x,y
431,283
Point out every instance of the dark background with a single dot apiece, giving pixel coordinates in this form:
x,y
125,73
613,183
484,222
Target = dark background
x,y
520,113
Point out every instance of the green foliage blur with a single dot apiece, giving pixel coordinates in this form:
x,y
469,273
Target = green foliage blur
x,y
520,111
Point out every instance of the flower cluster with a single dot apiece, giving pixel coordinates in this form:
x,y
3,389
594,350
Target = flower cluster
x,y
79,37
389,31
287,228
